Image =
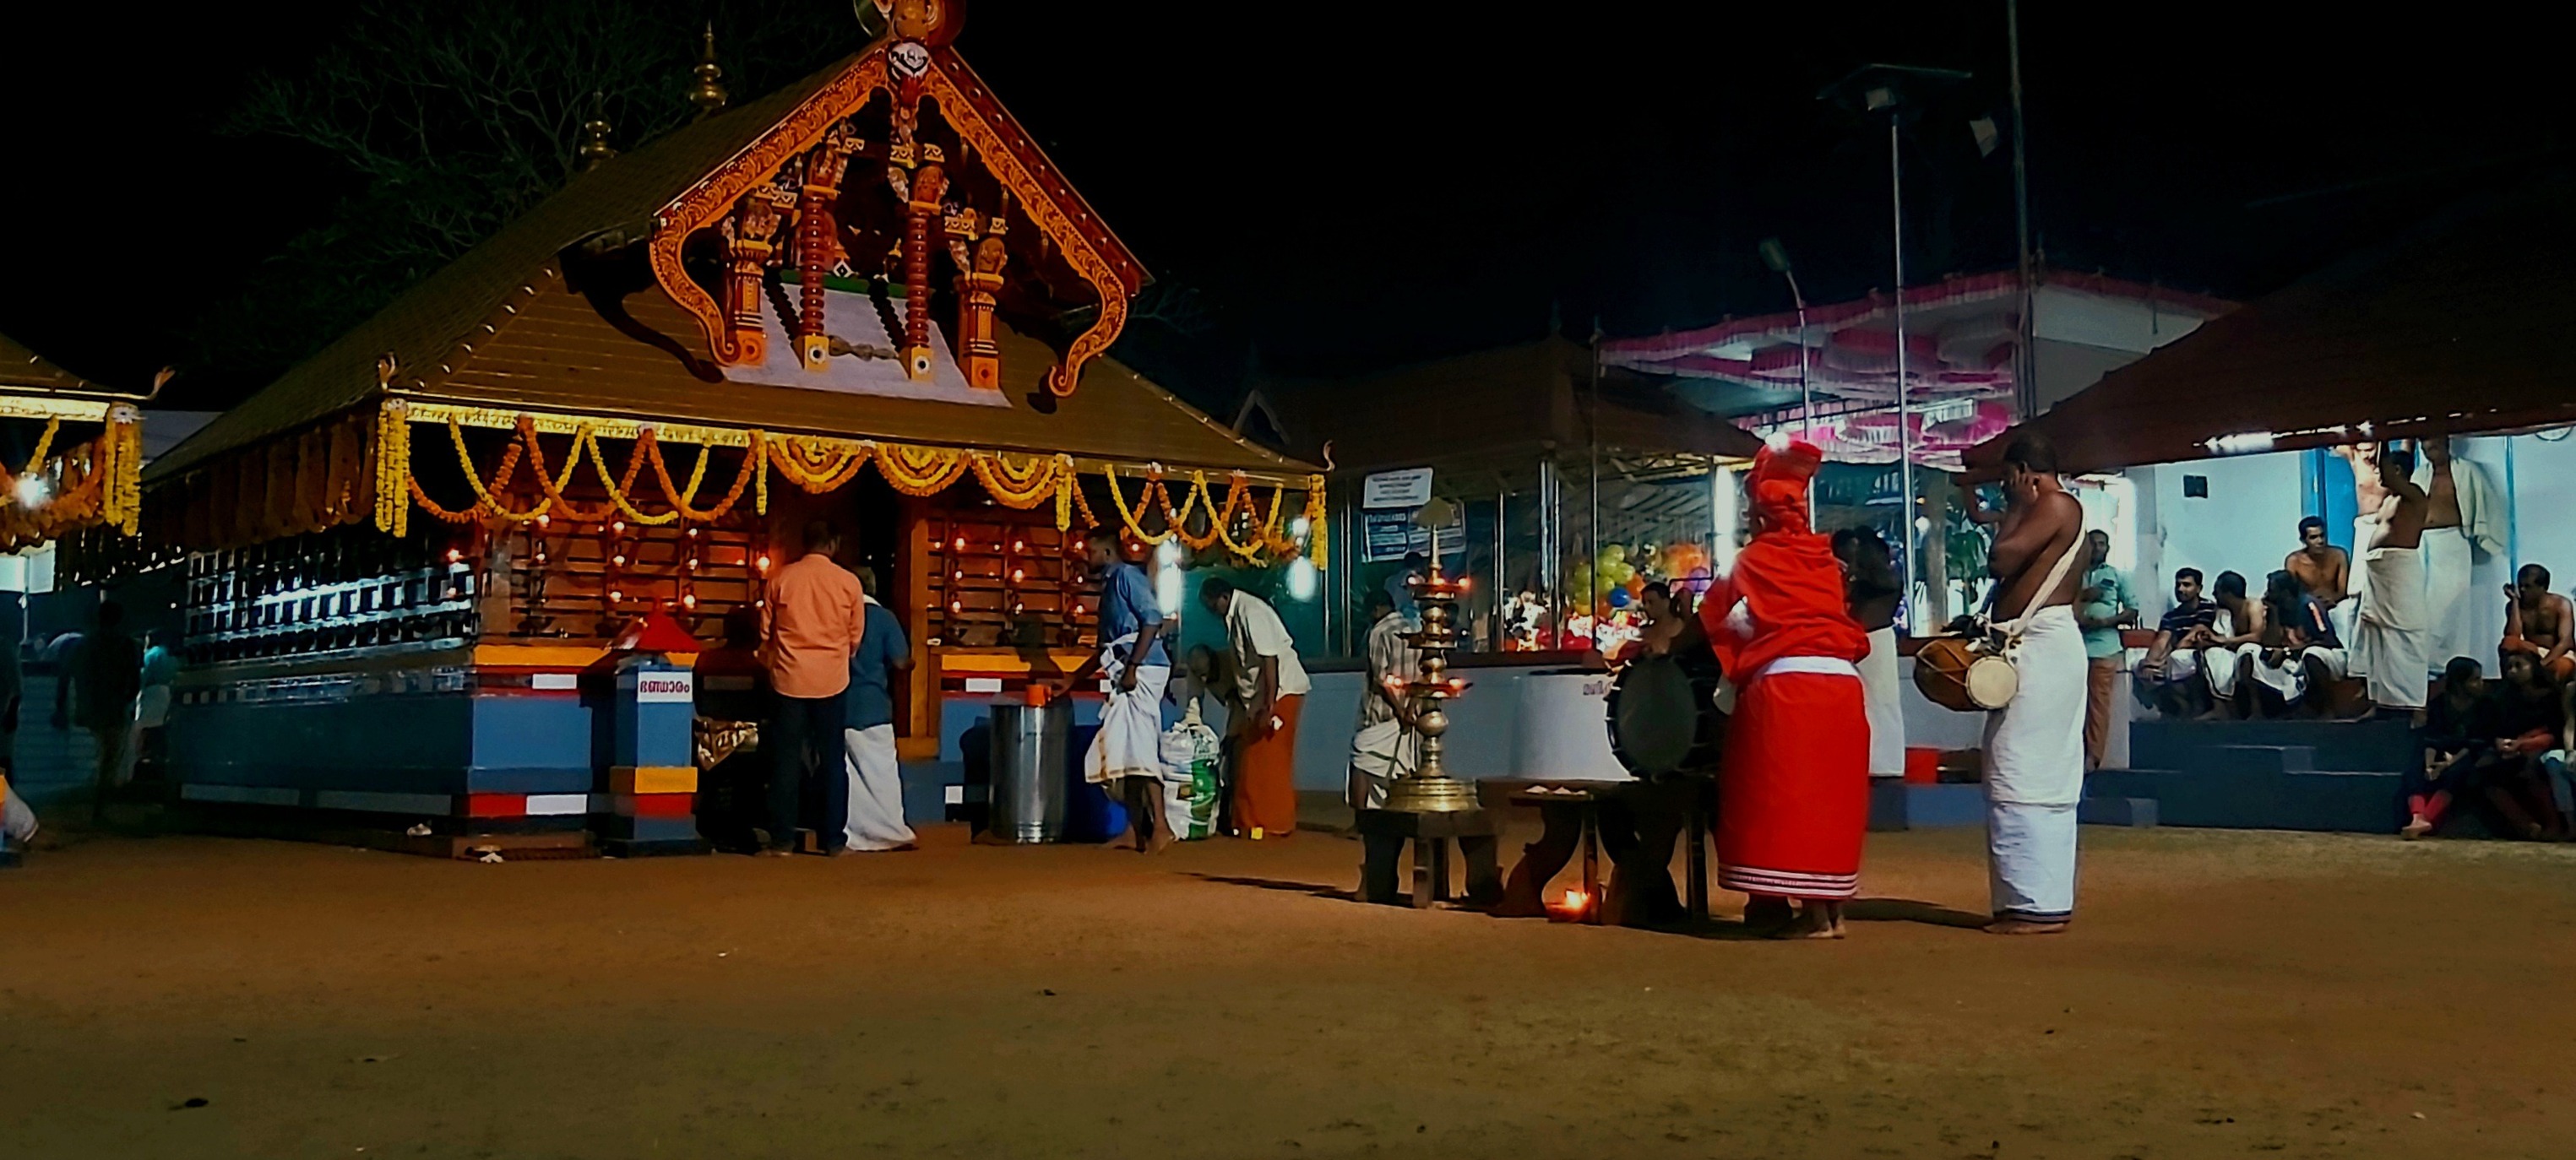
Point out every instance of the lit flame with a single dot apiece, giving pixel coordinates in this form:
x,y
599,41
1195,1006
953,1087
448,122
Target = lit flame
x,y
1576,902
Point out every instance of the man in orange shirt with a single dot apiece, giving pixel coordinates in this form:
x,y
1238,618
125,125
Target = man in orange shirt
x,y
815,615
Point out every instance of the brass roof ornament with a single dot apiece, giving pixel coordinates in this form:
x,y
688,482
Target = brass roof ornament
x,y
595,148
709,93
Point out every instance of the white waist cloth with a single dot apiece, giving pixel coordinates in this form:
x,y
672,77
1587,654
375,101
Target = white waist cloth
x,y
1821,666
1130,741
1882,694
2388,634
2446,580
2035,745
876,790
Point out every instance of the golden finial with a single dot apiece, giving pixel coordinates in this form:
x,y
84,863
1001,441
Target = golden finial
x,y
595,148
709,93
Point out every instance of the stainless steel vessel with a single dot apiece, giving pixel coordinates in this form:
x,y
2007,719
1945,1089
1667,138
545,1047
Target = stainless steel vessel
x,y
1029,780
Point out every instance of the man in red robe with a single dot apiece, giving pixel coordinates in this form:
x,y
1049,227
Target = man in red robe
x,y
1794,788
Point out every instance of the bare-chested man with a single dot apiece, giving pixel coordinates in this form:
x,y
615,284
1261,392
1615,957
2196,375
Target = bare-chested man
x,y
2035,746
2322,568
2457,523
2389,636
2539,622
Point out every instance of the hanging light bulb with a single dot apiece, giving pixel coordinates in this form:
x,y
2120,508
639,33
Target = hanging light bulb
x,y
1302,579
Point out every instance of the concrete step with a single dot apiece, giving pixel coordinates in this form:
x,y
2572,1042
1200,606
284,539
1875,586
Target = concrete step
x,y
2363,802
1895,805
2371,746
2117,811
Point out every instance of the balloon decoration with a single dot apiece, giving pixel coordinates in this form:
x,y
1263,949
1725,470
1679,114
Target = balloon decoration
x,y
1605,594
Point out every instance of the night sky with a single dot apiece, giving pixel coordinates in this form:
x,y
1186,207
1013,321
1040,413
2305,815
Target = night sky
x,y
1348,192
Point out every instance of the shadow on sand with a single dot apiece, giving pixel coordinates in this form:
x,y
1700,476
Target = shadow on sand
x,y
1310,889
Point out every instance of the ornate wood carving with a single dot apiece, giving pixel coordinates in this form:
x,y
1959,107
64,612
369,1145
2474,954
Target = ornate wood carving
x,y
714,194
815,243
1064,225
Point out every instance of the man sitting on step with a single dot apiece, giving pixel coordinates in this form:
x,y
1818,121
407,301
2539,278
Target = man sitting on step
x,y
2168,681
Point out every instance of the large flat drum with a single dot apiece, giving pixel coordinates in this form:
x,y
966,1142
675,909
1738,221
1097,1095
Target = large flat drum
x,y
1557,732
1659,719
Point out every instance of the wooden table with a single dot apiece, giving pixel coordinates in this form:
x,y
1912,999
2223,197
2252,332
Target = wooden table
x,y
1649,816
1383,834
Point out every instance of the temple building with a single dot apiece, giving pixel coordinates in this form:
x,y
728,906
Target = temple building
x,y
868,298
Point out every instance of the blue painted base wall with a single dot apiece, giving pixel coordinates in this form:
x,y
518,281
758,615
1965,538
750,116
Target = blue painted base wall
x,y
440,743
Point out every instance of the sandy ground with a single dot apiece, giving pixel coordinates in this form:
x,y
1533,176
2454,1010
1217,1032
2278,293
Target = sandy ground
x,y
2223,994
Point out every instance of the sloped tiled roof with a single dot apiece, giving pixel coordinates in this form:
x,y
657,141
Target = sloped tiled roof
x,y
24,371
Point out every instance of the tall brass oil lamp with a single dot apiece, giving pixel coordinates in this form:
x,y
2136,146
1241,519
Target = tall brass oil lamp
x,y
1429,789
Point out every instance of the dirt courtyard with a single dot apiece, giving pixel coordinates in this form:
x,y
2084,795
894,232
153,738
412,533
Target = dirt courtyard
x,y
2221,994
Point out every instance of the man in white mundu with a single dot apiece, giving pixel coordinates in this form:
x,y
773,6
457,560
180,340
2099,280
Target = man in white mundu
x,y
2034,745
1870,587
2463,519
2388,637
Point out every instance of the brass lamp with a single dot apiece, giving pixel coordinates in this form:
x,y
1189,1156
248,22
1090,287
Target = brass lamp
x,y
1429,789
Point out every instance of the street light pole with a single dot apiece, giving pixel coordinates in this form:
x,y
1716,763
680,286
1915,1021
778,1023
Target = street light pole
x,y
1904,427
2025,360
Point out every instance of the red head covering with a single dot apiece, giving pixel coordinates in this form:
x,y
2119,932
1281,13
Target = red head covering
x,y
1788,579
1779,484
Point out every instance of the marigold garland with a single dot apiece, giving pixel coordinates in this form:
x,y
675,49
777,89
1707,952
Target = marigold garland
x,y
818,465
751,462
393,467
1118,496
618,492
1023,487
920,471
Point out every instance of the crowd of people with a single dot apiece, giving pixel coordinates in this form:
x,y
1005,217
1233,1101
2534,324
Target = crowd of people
x,y
829,655
2321,638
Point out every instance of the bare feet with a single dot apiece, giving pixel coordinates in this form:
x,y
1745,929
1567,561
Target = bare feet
x,y
2416,828
2023,926
1815,920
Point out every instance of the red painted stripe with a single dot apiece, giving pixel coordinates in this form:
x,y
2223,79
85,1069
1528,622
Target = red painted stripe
x,y
496,805
659,805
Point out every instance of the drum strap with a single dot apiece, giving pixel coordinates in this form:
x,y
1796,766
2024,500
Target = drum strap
x,y
2012,630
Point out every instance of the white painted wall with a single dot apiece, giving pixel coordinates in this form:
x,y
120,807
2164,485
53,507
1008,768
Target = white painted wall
x,y
2248,524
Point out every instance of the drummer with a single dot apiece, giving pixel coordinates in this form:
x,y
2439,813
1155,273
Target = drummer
x,y
1670,629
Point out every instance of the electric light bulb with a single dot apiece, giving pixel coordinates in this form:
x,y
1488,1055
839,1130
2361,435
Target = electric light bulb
x,y
764,561
616,597
617,527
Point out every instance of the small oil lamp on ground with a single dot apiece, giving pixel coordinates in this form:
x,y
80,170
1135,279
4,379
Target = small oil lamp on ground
x,y
1430,789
